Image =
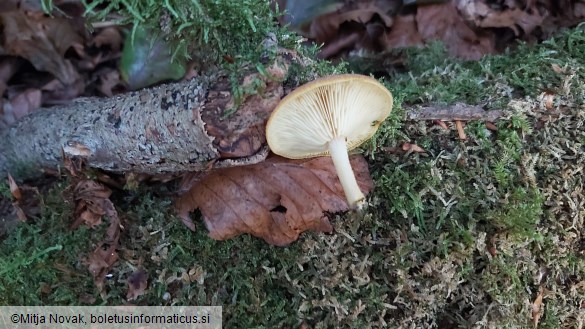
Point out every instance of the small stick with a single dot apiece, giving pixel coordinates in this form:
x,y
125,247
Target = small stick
x,y
458,111
460,130
442,124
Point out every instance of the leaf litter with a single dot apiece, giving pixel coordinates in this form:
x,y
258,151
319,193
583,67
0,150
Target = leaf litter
x,y
53,56
469,28
92,203
571,199
275,200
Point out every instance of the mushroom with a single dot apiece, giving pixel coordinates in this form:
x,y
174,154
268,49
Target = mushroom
x,y
330,116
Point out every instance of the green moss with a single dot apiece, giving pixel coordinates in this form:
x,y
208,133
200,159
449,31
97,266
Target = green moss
x,y
461,236
40,260
495,79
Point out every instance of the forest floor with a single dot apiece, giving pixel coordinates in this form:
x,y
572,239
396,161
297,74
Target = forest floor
x,y
484,232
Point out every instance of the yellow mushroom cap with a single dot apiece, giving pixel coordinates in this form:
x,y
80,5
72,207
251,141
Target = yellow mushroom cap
x,y
307,119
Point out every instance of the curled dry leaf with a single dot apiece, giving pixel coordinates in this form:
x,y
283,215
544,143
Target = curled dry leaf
x,y
93,198
109,37
137,283
412,147
537,307
441,123
527,18
26,200
92,203
275,200
14,189
491,126
100,262
43,41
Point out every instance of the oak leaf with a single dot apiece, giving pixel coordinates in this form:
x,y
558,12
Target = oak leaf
x,y
275,200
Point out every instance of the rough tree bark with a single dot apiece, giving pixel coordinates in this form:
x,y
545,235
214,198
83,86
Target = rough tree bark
x,y
171,128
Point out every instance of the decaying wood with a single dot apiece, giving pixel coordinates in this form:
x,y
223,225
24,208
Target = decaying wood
x,y
455,112
170,128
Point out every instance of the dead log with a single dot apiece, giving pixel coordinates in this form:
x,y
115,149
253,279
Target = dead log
x,y
166,129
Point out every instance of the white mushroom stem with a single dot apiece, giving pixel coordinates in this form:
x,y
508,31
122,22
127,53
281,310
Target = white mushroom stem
x,y
340,157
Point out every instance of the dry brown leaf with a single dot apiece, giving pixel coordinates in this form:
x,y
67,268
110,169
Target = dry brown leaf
x,y
20,214
92,203
24,103
537,307
26,202
412,147
547,99
108,81
482,15
19,106
443,22
325,27
491,126
105,255
42,41
275,200
137,283
8,67
441,123
100,262
14,189
108,37
404,33
338,44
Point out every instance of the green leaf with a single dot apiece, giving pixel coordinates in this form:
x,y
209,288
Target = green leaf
x,y
147,59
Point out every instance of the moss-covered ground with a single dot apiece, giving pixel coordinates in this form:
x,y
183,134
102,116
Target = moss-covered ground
x,y
468,234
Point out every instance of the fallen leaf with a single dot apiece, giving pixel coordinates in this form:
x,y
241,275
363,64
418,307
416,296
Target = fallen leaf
x,y
325,27
147,59
8,67
483,15
413,148
25,103
537,307
547,98
20,213
41,40
108,81
491,126
108,37
403,34
137,283
275,200
14,189
92,203
26,202
441,123
443,22
100,262
555,67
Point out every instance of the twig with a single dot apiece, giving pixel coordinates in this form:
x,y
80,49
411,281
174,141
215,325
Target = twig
x,y
460,130
455,112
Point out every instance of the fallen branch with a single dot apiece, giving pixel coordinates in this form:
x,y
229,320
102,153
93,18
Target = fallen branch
x,y
172,128
455,112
